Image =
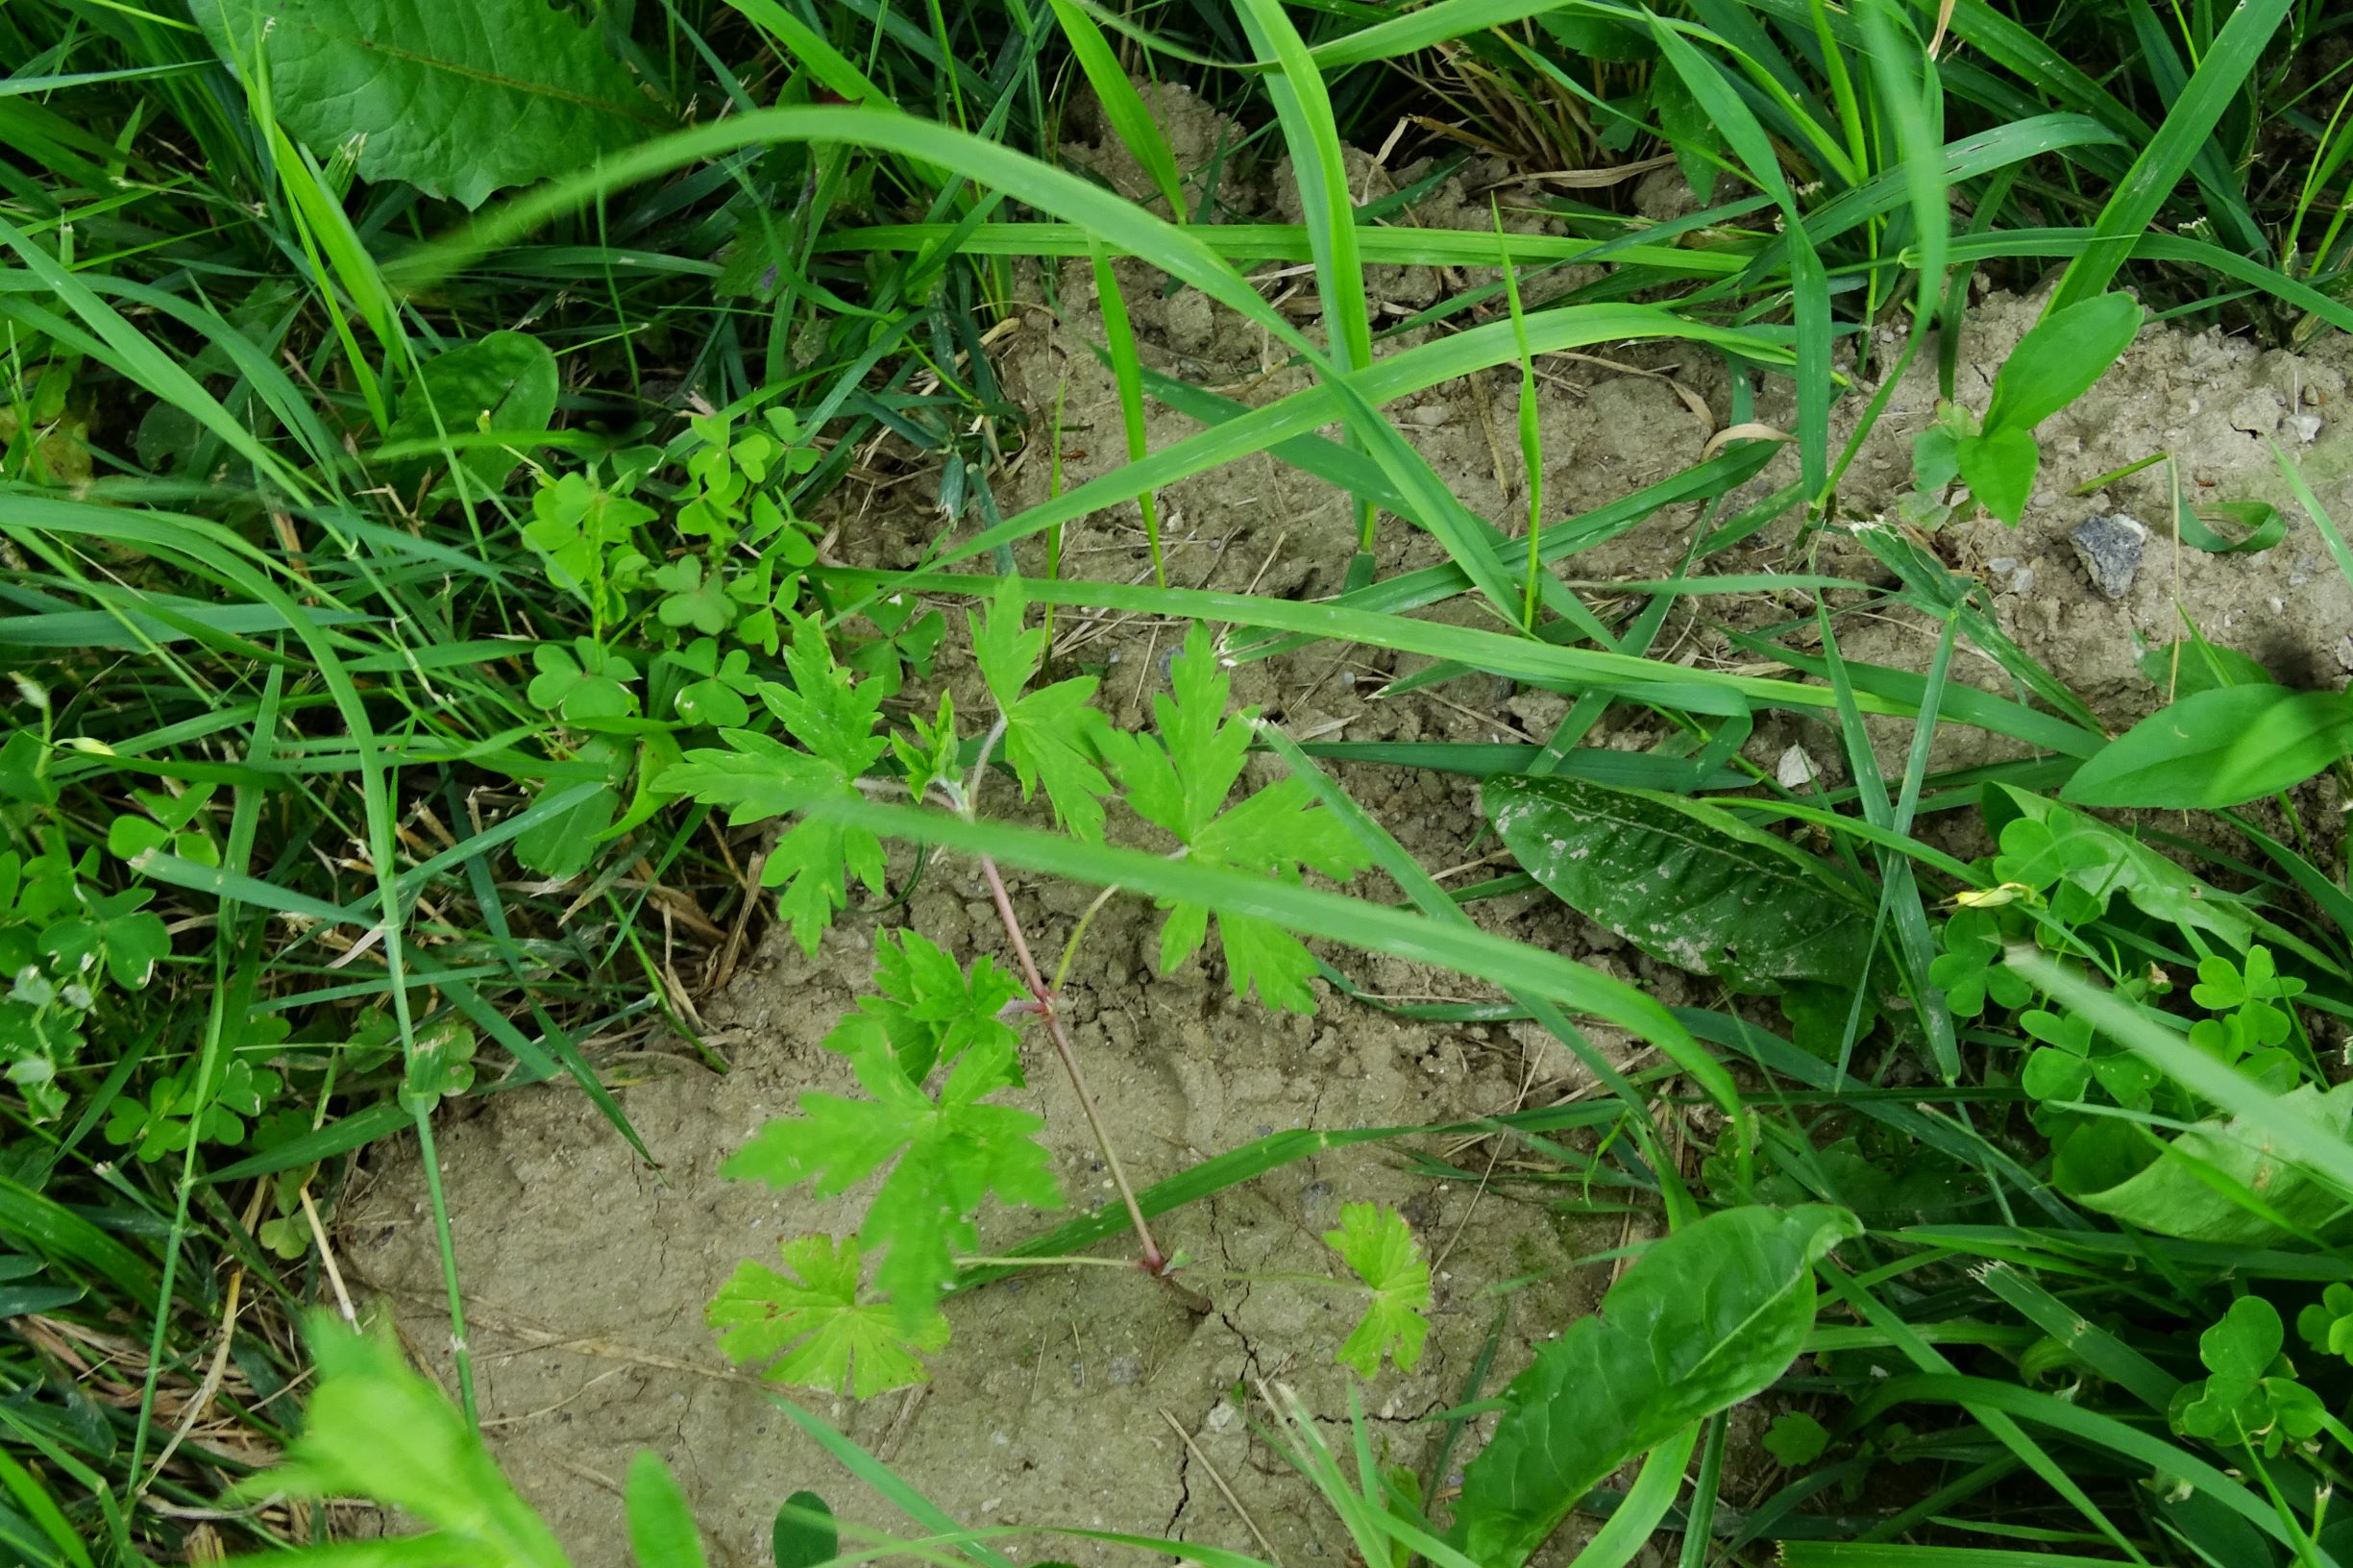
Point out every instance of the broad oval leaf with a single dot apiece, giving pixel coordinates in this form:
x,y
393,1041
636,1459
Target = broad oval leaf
x,y
459,100
804,1534
2218,747
1687,883
2182,1194
1707,1318
504,380
2059,359
1999,467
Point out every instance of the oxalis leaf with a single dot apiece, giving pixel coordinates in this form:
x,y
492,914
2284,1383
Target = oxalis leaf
x,y
2088,854
459,100
1688,884
1706,1318
2218,747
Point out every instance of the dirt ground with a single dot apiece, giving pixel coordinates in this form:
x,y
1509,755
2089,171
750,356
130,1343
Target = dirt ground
x,y
1094,1399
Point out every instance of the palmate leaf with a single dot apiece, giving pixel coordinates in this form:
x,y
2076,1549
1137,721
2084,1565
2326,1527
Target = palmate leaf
x,y
929,1011
811,1321
1179,782
1050,734
944,1158
757,777
456,100
1378,1245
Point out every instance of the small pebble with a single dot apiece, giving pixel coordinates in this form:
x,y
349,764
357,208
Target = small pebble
x,y
2110,549
1796,770
1431,415
2307,427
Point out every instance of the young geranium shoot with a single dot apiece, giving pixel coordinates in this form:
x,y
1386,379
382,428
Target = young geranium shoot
x,y
945,1151
1378,1246
1179,782
758,777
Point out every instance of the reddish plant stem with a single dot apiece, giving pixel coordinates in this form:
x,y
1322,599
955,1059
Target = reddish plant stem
x,y
1155,1262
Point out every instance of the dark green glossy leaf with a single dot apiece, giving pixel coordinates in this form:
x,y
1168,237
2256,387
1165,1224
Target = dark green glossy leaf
x,y
505,380
2218,747
1708,1318
515,91
1687,883
805,1533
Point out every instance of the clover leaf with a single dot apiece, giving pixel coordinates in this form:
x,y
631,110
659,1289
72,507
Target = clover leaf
x,y
689,598
584,683
1971,972
2249,1395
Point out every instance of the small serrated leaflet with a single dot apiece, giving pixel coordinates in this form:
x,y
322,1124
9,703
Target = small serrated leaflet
x,y
928,1010
1050,734
1378,1246
1179,782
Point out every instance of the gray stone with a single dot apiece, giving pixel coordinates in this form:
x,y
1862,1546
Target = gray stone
x,y
2110,549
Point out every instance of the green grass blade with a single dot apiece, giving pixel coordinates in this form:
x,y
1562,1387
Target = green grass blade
x,y
1809,283
2154,175
1120,337
1305,910
1122,106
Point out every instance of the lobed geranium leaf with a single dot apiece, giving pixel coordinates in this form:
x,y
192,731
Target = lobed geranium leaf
x,y
813,1328
1378,1246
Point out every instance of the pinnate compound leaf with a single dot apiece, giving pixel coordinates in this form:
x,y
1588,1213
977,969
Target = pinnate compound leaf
x,y
2223,747
810,1320
1687,884
2184,1193
1179,780
662,1533
459,101
757,777
1378,1246
945,1156
1706,1318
